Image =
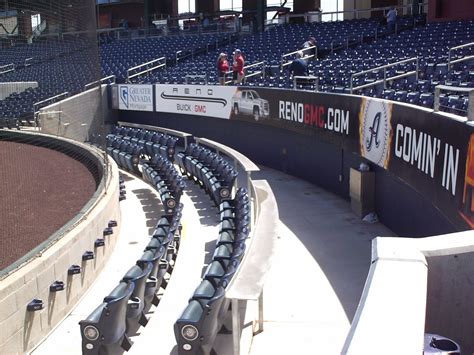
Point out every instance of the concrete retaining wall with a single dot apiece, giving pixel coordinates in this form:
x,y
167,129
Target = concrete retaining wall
x,y
21,330
449,310
78,116
416,286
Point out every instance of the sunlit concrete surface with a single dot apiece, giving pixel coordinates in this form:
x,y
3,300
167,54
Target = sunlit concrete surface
x,y
318,272
199,235
140,212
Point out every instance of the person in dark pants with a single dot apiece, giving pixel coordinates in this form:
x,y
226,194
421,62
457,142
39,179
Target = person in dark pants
x,y
238,64
299,67
222,67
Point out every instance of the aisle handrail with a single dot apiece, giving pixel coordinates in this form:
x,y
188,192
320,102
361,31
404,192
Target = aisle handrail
x,y
385,79
450,62
149,66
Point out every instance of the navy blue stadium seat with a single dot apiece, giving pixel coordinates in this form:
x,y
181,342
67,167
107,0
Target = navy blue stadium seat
x,y
104,330
197,327
138,276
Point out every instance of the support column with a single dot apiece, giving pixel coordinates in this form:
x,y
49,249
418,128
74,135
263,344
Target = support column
x,y
207,7
302,6
147,5
165,8
254,12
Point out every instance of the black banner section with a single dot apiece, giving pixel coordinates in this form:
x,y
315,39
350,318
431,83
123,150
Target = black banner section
x,y
426,150
331,118
429,152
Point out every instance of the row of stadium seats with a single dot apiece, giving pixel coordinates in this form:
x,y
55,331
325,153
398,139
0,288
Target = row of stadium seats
x,y
75,68
21,54
66,73
129,153
9,123
126,154
152,142
430,44
162,174
209,170
108,328
118,56
207,309
269,46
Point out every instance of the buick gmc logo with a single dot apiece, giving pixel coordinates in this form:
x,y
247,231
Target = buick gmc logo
x,y
375,131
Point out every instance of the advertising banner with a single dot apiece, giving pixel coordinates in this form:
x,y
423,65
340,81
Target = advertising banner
x,y
135,97
327,116
201,100
426,150
429,151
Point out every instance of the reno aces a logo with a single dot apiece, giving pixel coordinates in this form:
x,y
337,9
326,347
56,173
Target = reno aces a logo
x,y
375,131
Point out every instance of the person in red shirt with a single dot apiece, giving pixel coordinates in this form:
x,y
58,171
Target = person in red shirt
x,y
238,67
222,67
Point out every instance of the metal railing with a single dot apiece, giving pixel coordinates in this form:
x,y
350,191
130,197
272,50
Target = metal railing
x,y
177,56
163,30
260,72
385,79
469,91
7,68
148,67
190,79
305,57
451,62
181,54
297,80
47,102
107,80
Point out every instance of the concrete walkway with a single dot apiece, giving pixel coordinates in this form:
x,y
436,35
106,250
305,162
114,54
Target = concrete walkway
x,y
199,234
140,213
318,272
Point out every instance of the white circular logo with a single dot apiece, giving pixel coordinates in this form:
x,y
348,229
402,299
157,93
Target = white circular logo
x,y
376,131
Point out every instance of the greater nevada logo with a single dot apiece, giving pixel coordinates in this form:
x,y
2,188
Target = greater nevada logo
x,y
375,131
124,95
